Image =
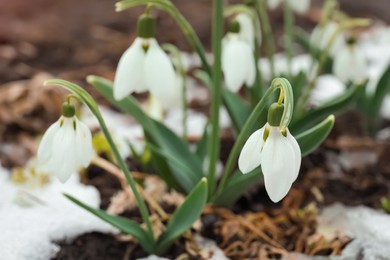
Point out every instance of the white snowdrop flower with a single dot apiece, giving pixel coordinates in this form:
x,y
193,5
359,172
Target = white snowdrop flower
x,y
66,146
322,34
279,155
350,64
145,66
238,63
298,6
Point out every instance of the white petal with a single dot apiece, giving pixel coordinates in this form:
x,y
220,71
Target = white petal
x,y
299,6
297,153
129,76
83,144
350,65
278,164
63,160
273,4
160,75
247,30
44,149
250,154
237,57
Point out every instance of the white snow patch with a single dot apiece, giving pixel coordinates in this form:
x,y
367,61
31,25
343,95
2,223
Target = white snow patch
x,y
327,88
29,233
368,227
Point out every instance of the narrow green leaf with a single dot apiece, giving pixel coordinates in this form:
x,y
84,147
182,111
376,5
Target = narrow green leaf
x,y
237,109
125,225
237,185
336,105
383,87
184,173
184,216
202,145
310,139
298,83
162,4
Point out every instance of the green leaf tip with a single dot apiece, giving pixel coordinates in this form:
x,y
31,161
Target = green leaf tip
x,y
90,79
331,118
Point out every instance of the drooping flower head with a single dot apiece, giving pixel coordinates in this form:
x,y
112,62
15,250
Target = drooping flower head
x,y
350,64
325,34
144,66
278,153
66,146
238,63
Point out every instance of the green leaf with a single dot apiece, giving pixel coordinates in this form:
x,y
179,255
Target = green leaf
x,y
237,109
298,83
202,145
158,135
374,103
336,105
309,140
125,225
184,216
184,173
237,185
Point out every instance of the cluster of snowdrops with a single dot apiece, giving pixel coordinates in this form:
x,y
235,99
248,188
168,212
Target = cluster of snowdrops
x,y
273,122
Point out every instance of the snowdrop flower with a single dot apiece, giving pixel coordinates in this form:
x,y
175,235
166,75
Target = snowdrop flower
x,y
323,33
298,6
277,152
350,64
66,146
238,63
145,66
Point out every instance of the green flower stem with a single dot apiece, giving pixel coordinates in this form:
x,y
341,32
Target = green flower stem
x,y
231,162
180,68
185,26
216,95
288,36
255,92
88,100
261,11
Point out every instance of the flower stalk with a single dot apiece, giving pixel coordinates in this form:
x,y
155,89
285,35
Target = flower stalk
x,y
216,97
261,11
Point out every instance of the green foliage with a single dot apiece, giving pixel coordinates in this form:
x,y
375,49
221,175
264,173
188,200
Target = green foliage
x,y
182,219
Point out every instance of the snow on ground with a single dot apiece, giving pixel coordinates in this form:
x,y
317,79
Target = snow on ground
x,y
32,220
368,228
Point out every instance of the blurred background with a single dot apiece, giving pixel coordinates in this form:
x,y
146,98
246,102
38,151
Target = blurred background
x,y
71,38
